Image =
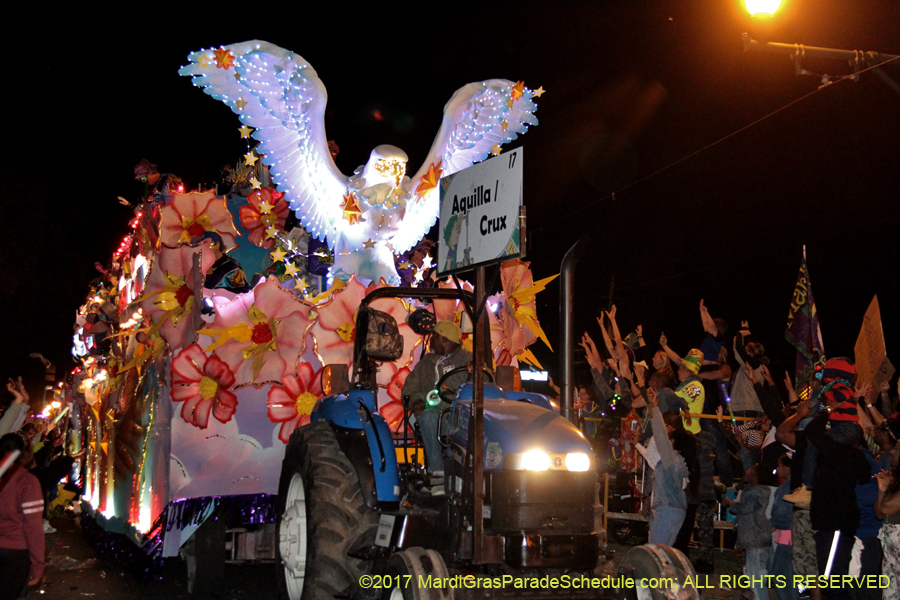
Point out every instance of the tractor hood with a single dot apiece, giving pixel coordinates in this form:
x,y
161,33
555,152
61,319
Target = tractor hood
x,y
515,427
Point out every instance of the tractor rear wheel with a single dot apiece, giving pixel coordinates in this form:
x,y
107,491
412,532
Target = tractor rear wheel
x,y
320,516
662,569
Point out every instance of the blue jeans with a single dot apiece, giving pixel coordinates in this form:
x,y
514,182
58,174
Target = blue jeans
x,y
723,459
428,428
782,563
667,521
757,559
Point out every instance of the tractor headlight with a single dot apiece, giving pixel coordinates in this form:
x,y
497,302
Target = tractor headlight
x,y
577,461
535,460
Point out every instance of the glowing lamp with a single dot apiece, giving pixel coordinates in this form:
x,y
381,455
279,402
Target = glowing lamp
x,y
762,7
535,460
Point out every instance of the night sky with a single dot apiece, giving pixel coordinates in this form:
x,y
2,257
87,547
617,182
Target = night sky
x,y
632,87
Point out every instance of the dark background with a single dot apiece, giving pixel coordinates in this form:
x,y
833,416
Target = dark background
x,y
632,87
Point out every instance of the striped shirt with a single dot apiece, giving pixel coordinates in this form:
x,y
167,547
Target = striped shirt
x,y
22,517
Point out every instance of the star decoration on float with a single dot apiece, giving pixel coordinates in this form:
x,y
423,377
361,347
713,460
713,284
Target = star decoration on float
x,y
509,103
265,208
240,103
278,255
351,209
255,183
237,76
539,92
368,243
504,125
430,179
290,269
496,149
203,60
427,263
250,159
271,233
245,132
389,246
224,58
301,285
518,90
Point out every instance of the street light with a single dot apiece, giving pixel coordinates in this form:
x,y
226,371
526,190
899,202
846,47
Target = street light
x,y
762,7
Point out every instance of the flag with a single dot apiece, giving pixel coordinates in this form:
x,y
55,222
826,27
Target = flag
x,y
803,331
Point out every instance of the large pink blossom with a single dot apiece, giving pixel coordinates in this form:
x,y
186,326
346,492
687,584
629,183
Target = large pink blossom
x,y
173,293
292,403
260,334
189,216
335,323
202,383
257,218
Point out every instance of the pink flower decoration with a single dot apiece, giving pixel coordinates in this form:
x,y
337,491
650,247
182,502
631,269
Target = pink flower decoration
x,y
173,293
258,217
202,383
292,403
260,334
189,216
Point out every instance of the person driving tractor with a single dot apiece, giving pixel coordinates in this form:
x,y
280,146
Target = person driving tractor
x,y
419,391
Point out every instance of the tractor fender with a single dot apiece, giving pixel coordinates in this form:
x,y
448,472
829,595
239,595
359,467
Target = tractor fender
x,y
365,438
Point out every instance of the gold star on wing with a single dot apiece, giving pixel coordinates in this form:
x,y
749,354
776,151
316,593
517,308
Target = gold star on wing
x,y
270,233
241,103
245,132
237,76
250,159
301,285
518,90
278,255
504,125
368,244
496,149
265,207
255,183
509,103
203,61
390,246
290,269
539,92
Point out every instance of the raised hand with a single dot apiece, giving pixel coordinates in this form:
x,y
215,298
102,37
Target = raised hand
x,y
639,330
792,393
884,480
719,416
764,371
862,391
17,389
611,313
751,375
651,397
663,340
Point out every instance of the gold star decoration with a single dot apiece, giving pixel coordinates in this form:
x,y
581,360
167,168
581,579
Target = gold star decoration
x,y
539,92
369,243
301,285
202,60
290,269
271,233
496,149
250,158
430,179
390,246
351,208
509,103
264,207
427,263
224,58
245,132
504,125
240,103
255,183
518,90
237,76
278,255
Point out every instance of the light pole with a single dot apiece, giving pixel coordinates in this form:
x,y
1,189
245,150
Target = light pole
x,y
761,14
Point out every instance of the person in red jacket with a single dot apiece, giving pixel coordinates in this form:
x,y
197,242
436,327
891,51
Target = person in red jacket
x,y
21,521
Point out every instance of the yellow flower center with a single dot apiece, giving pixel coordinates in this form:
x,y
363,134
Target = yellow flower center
x,y
345,331
268,219
208,387
305,403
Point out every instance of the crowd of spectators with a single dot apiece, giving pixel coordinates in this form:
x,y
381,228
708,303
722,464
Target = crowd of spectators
x,y
809,473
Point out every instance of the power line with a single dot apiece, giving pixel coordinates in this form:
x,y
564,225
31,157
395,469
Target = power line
x,y
612,195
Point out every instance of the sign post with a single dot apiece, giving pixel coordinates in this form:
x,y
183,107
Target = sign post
x,y
479,225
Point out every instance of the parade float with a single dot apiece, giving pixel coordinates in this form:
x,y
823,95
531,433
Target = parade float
x,y
191,376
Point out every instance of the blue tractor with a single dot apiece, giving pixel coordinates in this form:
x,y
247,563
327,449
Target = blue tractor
x,y
355,518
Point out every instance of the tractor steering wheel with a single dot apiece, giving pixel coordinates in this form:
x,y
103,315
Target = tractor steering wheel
x,y
446,393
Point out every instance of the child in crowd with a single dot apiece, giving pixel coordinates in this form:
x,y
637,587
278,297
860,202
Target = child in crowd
x,y
753,532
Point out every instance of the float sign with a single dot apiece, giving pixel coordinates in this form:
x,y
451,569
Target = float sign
x,y
479,220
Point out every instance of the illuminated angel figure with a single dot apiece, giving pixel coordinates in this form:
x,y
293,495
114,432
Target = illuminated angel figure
x,y
379,210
